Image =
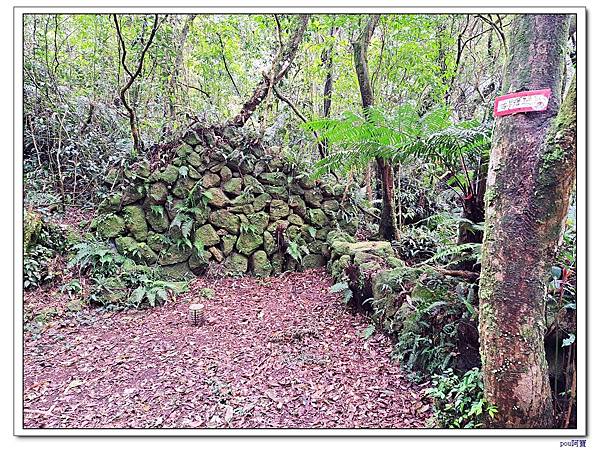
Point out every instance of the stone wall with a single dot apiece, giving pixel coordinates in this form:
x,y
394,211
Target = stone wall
x,y
222,197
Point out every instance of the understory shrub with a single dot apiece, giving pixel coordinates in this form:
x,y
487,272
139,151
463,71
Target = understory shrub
x,y
43,241
117,281
458,400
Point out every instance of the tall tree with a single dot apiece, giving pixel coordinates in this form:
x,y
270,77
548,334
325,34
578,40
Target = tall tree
x,y
530,179
138,144
388,225
279,68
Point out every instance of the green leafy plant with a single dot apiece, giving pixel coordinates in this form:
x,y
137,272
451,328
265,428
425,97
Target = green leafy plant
x,y
343,288
296,249
96,257
458,401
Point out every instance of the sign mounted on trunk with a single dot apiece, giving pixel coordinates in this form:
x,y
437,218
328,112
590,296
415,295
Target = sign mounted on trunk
x,y
519,102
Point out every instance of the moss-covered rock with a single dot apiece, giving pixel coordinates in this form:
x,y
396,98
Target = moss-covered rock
x,y
177,272
260,265
216,197
306,182
157,242
157,218
248,242
318,247
269,243
233,186
184,150
138,251
235,264
259,221
339,235
295,219
338,266
313,198
279,192
312,261
135,222
157,193
228,242
317,217
174,254
382,249
293,231
260,202
242,209
278,263
252,184
32,227
278,209
193,173
201,214
282,224
331,205
206,236
112,176
273,178
224,219
112,203
168,175
225,174
211,180
132,194
298,205
183,187
109,226
195,160
199,260
363,257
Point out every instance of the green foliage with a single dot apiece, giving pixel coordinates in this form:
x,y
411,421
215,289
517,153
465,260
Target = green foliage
x,y
117,280
96,257
296,248
428,322
46,242
344,288
458,401
153,291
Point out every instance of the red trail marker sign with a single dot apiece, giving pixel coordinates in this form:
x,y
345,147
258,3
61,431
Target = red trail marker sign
x,y
519,102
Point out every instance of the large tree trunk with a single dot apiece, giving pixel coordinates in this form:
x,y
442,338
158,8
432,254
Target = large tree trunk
x,y
388,225
531,175
281,65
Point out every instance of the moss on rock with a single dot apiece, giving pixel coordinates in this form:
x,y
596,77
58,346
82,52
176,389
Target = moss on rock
x,y
260,265
224,219
235,264
135,222
207,236
108,227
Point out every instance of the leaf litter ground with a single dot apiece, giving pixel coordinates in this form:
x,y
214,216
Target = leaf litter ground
x,y
280,352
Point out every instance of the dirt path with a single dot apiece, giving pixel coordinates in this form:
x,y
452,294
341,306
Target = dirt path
x,y
281,352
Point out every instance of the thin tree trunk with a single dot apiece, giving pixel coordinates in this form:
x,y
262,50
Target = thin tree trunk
x,y
138,144
388,226
530,178
280,67
177,67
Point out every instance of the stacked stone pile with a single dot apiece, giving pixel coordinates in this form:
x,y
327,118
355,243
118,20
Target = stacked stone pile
x,y
222,198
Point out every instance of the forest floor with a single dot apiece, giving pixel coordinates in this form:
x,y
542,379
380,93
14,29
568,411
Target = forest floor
x,y
280,352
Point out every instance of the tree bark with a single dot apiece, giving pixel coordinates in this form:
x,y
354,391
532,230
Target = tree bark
x,y
530,179
388,225
176,68
280,67
138,144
